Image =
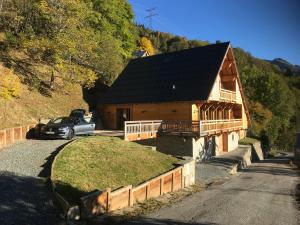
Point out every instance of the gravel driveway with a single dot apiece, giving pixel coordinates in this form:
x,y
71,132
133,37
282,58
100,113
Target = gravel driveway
x,y
25,197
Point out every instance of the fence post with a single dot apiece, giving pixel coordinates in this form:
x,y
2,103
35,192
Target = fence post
x,y
108,199
125,131
140,127
161,186
172,184
182,178
130,196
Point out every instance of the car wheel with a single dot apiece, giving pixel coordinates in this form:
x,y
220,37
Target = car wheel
x,y
70,134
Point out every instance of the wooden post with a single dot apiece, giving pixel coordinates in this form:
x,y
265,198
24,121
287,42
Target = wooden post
x,y
182,178
147,190
4,138
130,196
161,185
108,190
140,127
172,184
125,131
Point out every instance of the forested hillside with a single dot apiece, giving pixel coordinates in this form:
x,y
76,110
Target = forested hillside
x,y
52,48
273,95
51,51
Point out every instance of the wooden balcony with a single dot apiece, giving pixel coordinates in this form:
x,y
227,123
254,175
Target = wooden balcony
x,y
136,130
227,95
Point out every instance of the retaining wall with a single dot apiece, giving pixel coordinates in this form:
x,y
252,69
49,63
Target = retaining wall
x,y
12,135
101,202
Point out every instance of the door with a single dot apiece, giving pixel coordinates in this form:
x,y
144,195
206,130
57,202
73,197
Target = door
x,y
122,116
225,142
84,127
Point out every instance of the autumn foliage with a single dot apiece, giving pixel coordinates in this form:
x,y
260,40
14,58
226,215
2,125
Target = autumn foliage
x,y
9,84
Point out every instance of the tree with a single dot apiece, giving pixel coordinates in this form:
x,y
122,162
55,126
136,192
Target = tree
x,y
145,44
177,43
9,84
83,40
9,88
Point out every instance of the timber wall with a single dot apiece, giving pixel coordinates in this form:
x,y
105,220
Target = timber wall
x,y
106,201
150,111
12,135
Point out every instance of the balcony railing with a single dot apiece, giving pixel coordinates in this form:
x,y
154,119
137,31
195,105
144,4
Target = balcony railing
x,y
149,128
227,95
207,126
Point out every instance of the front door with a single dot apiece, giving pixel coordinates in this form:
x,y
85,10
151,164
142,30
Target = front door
x,y
225,142
122,116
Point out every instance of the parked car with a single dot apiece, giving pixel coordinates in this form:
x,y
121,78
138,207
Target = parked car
x,y
80,113
67,128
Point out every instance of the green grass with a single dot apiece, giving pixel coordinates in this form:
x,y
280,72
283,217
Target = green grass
x,y
105,162
247,141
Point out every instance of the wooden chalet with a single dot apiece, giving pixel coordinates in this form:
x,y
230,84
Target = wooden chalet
x,y
194,93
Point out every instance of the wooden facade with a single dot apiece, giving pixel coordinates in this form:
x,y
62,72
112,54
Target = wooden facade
x,y
223,114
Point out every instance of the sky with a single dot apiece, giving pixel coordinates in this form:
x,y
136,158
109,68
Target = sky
x,y
267,29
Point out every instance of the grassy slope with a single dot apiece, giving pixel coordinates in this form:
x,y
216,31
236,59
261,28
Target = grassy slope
x,y
101,162
32,104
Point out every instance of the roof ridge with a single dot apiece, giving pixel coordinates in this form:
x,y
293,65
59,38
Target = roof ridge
x,y
180,51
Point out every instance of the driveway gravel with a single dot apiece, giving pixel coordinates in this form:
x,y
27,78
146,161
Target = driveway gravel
x,y
26,198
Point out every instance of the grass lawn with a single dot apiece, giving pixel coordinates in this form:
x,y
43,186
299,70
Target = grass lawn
x,y
247,141
102,162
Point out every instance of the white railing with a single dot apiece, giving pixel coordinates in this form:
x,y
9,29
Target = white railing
x,y
227,95
139,127
207,126
201,128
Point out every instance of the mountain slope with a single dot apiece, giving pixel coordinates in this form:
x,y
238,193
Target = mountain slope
x,y
286,67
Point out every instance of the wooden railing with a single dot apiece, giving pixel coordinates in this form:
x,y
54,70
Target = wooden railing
x,y
140,127
207,126
179,126
227,95
135,130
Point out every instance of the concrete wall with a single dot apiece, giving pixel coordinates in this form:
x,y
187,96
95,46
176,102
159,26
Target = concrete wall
x,y
233,141
171,145
202,148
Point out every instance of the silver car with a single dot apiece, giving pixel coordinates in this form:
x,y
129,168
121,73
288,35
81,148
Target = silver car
x,y
67,127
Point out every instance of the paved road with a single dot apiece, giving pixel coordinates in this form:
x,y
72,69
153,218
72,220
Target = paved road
x,y
263,195
25,197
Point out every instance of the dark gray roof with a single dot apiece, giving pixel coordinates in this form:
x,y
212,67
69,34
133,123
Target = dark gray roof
x,y
185,75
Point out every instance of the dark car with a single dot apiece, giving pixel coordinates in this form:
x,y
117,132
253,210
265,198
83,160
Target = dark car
x,y
67,127
80,113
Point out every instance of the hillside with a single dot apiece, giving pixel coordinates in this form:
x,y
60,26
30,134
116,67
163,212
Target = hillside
x,y
32,104
50,51
286,67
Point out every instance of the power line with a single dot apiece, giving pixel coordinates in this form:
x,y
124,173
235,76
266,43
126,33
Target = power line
x,y
150,16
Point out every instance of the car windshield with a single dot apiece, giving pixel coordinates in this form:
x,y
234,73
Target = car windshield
x,y
62,120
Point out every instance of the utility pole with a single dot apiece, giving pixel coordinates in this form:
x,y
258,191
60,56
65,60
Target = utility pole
x,y
151,14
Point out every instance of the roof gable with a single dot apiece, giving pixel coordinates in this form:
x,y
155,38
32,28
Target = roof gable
x,y
178,76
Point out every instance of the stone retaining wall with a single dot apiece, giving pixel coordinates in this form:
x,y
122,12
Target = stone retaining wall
x,y
12,135
100,202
